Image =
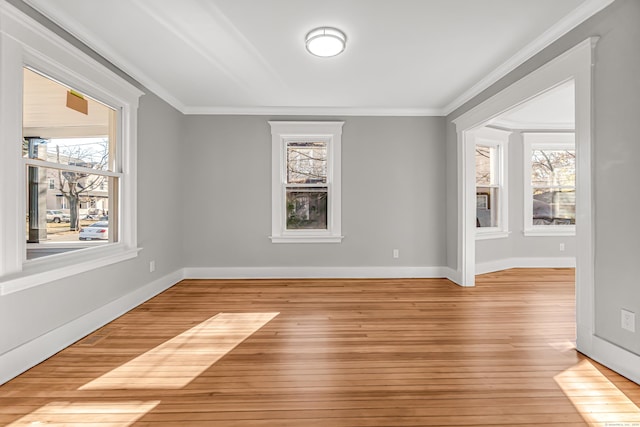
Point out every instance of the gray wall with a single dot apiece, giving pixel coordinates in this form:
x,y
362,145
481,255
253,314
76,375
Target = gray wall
x,y
616,152
393,185
28,314
517,245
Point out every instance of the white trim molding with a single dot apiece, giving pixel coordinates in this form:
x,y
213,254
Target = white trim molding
x,y
18,360
45,270
575,64
580,14
26,43
314,111
525,262
283,134
499,140
583,12
616,358
315,272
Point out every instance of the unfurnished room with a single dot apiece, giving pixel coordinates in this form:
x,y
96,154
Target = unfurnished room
x,y
301,213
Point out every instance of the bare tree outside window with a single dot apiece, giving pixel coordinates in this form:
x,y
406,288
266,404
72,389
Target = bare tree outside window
x,y
483,165
553,177
69,148
76,186
306,198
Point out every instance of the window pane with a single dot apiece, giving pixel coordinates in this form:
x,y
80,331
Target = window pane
x,y
554,206
306,162
487,207
552,168
307,208
63,214
485,161
63,126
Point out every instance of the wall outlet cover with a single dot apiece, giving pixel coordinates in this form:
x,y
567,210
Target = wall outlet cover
x,y
628,320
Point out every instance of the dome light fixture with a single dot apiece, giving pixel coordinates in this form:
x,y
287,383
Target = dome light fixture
x,y
325,42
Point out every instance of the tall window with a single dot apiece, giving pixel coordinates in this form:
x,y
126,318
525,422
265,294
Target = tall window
x,y
70,140
491,183
306,182
67,158
550,184
306,185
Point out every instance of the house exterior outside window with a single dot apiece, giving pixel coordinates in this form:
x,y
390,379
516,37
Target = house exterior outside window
x,y
36,63
549,184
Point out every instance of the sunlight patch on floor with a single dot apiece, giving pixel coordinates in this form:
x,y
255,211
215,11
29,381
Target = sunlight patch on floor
x,y
105,414
596,398
175,363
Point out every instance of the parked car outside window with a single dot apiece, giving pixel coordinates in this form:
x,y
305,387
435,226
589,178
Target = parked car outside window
x,y
96,231
57,216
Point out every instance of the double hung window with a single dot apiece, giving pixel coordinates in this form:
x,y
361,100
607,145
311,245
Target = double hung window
x,y
306,182
550,184
71,171
491,183
67,158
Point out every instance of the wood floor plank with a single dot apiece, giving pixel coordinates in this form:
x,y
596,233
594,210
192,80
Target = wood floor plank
x,y
357,352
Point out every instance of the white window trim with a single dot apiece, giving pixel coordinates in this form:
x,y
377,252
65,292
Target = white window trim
x,y
489,137
24,42
536,141
281,132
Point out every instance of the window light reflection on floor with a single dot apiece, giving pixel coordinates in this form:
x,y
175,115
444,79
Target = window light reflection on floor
x,y
110,414
175,363
596,398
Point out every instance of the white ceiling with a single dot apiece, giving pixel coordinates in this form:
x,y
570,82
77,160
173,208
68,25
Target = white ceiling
x,y
403,57
551,110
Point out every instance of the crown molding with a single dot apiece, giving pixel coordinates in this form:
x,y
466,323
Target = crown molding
x,y
570,21
314,111
80,32
520,126
580,14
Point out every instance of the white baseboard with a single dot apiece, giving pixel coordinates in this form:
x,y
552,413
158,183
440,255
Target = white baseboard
x,y
618,359
22,358
453,275
313,272
525,262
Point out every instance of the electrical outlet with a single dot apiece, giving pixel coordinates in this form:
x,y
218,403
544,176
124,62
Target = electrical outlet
x,y
396,253
628,320
152,266
561,247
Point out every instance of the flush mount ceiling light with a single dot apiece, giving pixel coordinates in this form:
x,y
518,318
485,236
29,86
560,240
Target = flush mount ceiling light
x,y
325,42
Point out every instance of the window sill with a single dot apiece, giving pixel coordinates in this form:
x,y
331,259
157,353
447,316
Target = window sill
x,y
550,232
491,234
306,239
49,269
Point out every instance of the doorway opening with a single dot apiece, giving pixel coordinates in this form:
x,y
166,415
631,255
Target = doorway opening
x,y
525,180
572,66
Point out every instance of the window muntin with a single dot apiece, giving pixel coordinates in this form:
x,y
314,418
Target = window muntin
x,y
27,44
77,154
306,185
553,183
550,184
306,182
490,162
487,185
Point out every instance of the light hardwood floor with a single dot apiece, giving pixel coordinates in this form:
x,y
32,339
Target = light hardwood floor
x,y
414,352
